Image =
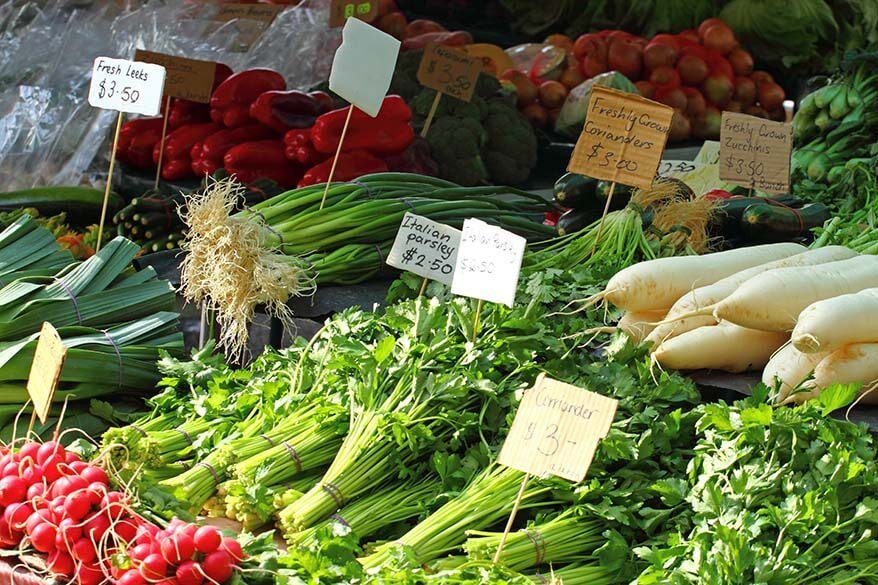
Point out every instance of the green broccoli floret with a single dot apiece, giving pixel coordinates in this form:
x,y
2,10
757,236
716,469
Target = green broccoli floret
x,y
405,77
456,145
510,153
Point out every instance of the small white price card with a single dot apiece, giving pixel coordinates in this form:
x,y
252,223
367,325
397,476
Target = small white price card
x,y
127,86
363,65
556,430
488,263
426,248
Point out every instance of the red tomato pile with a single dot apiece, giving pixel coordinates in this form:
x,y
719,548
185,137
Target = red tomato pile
x,y
62,507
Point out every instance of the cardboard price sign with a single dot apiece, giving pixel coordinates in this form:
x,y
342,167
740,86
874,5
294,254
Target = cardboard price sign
x,y
341,10
253,20
755,153
363,65
126,86
426,248
449,71
556,430
187,79
488,263
623,138
45,370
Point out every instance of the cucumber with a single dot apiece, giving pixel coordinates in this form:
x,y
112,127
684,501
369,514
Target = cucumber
x,y
765,224
81,204
574,220
576,191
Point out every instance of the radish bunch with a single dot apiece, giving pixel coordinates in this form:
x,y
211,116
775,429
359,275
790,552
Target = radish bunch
x,y
62,507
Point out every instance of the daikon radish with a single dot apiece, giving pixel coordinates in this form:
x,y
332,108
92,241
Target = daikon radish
x,y
829,324
704,298
791,368
857,362
656,284
637,325
772,301
724,347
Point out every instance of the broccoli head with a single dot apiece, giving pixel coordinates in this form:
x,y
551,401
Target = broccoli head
x,y
404,82
456,144
510,153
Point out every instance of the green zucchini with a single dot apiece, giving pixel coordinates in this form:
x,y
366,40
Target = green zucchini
x,y
621,195
574,220
81,204
576,191
726,220
765,224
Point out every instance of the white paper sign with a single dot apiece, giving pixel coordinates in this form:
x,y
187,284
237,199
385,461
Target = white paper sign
x,y
363,65
127,86
677,168
488,263
425,247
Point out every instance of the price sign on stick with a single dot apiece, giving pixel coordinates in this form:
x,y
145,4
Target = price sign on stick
x,y
426,248
556,430
126,86
252,20
488,263
622,139
341,10
187,79
449,71
755,153
45,371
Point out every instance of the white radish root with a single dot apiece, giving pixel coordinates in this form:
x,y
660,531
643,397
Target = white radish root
x,y
655,284
829,324
772,301
790,367
637,325
857,362
725,347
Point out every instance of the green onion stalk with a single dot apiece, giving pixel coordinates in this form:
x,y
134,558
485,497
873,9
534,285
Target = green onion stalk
x,y
119,442
375,511
487,500
259,256
580,574
161,447
565,538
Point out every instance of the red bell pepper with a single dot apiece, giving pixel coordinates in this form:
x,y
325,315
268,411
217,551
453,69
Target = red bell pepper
x,y
457,38
176,161
351,165
298,147
262,159
184,112
230,102
389,132
282,110
207,155
137,139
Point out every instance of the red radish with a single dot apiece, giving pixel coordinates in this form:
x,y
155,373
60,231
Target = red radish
x,y
153,567
190,573
645,89
771,97
78,504
33,474
75,485
94,474
96,526
207,539
33,521
741,61
17,515
88,574
69,531
761,77
43,537
140,552
745,91
625,58
673,97
61,563
188,529
125,529
592,65
50,449
590,44
178,548
695,102
114,504
29,450
12,489
70,457
52,468
10,469
719,37
718,90
131,577
664,78
84,551
233,547
35,490
218,566
680,127
693,70
96,491
659,54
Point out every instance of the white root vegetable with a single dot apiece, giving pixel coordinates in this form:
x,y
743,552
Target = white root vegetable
x,y
790,367
857,362
726,347
656,284
832,323
703,299
637,325
772,301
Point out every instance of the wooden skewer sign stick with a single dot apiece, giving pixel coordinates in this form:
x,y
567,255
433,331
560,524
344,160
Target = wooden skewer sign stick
x,y
109,182
158,170
603,217
512,514
344,131
429,121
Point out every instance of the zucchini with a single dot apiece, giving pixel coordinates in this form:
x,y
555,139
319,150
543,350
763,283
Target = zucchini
x,y
726,220
81,204
576,191
765,224
574,220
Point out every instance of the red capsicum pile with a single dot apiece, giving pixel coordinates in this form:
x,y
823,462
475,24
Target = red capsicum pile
x,y
255,128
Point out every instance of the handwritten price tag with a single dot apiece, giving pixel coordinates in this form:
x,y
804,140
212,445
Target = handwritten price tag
x,y
251,21
623,138
755,153
187,79
341,10
126,86
449,71
488,263
45,370
425,247
556,430
677,168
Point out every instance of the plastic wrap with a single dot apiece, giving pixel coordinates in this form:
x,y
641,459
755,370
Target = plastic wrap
x,y
48,132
